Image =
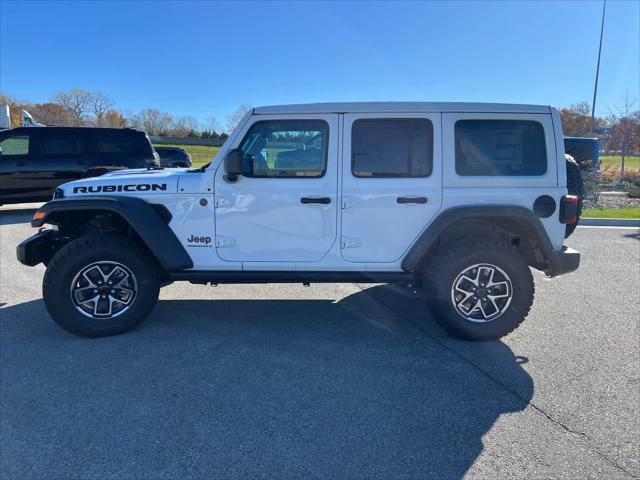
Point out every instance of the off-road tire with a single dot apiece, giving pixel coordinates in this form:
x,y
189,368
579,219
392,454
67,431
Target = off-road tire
x,y
445,269
575,186
86,251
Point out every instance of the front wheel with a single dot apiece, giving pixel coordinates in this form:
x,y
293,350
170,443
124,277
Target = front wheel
x,y
479,290
97,286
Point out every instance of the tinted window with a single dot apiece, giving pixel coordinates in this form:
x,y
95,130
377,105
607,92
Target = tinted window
x,y
62,144
295,148
500,148
120,142
15,145
399,147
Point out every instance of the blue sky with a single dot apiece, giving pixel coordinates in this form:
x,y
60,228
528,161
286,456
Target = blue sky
x,y
205,58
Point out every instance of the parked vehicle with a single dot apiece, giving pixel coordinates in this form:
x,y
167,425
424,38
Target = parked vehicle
x,y
585,151
173,157
459,198
35,161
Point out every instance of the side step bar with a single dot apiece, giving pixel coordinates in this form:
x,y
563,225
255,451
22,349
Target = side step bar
x,y
204,276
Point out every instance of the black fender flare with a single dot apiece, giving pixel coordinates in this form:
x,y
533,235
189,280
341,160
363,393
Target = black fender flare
x,y
145,220
522,220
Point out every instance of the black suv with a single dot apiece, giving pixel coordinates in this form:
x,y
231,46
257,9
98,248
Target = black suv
x,y
173,157
34,161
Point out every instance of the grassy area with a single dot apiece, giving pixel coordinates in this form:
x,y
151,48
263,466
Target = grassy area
x,y
612,213
200,154
630,163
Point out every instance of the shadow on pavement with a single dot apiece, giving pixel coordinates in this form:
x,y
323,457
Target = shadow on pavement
x,y
14,216
247,388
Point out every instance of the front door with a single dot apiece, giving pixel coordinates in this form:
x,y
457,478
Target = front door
x,y
391,183
284,207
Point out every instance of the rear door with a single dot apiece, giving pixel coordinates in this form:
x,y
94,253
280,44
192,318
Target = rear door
x,y
62,156
284,207
391,183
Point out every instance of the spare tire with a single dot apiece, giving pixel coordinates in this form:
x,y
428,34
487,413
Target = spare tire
x,y
575,186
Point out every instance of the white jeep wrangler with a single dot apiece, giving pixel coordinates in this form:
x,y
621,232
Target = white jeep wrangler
x,y
461,198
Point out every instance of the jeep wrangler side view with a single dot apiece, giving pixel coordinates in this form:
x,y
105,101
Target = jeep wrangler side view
x,y
460,198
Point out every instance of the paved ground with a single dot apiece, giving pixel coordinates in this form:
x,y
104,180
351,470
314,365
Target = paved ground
x,y
331,381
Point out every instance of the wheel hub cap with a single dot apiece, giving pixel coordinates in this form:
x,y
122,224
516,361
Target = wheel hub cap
x,y
481,293
103,290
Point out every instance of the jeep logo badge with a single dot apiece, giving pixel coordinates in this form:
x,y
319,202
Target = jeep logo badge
x,y
196,241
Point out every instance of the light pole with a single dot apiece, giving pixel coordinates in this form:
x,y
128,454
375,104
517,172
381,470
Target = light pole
x,y
595,88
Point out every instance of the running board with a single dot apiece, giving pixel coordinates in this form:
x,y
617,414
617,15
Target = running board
x,y
204,276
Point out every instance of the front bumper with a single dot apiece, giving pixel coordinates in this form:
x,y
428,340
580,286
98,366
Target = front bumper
x,y
566,260
37,248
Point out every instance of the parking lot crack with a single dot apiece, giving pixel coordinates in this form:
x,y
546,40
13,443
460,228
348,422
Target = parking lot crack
x,y
581,435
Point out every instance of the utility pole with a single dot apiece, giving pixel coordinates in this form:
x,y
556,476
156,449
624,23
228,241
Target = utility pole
x,y
595,88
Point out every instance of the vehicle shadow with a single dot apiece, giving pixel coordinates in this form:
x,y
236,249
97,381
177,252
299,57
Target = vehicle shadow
x,y
14,216
635,235
250,388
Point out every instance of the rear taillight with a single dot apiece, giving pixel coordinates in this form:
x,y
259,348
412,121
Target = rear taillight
x,y
569,209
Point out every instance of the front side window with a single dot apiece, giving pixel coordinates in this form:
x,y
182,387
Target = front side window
x,y
500,148
286,148
15,145
392,147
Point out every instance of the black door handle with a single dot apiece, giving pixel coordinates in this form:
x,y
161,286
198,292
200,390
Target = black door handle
x,y
20,163
323,200
403,200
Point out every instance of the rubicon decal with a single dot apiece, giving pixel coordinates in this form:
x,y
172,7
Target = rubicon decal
x,y
142,187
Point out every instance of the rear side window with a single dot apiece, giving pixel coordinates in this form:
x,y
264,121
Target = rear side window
x,y
500,148
392,147
121,143
62,144
15,145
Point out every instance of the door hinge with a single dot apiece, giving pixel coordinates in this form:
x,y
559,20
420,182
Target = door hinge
x,y
224,241
350,242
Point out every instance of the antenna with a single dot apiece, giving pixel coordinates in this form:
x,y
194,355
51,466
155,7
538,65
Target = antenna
x,y
595,89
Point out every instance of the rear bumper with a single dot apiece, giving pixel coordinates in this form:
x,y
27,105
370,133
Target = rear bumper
x,y
37,248
566,260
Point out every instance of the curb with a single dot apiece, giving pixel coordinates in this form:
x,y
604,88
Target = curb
x,y
609,222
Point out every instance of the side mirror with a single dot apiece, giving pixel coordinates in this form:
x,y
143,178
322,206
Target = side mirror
x,y
233,164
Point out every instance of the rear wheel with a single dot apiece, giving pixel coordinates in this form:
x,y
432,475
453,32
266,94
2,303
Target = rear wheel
x,y
100,285
575,186
479,290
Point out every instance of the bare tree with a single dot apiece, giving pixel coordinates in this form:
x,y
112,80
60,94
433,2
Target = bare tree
x,y
51,114
101,105
625,129
182,126
234,119
77,102
152,121
114,119
211,125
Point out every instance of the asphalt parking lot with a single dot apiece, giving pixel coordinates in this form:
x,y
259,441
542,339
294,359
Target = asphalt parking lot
x,y
329,381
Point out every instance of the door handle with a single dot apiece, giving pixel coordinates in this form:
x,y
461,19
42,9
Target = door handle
x,y
20,163
405,200
323,200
